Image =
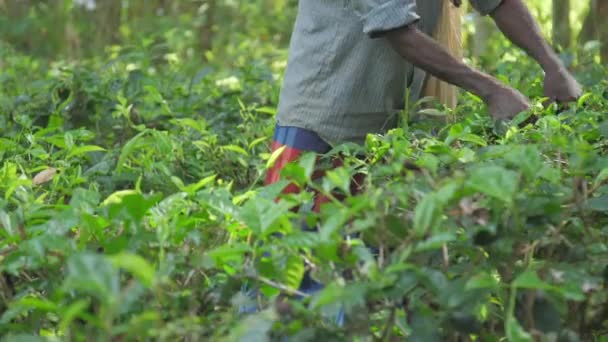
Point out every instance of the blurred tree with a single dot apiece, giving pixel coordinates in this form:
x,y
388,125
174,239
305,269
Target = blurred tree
x,y
209,10
589,31
107,22
601,16
595,26
562,29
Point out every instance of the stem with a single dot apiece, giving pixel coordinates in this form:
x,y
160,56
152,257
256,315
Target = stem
x,y
281,287
386,334
511,307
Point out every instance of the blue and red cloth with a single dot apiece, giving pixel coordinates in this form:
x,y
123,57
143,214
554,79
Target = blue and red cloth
x,y
296,141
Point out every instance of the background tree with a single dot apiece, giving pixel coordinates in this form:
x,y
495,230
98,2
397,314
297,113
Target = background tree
x,y
589,30
562,30
601,24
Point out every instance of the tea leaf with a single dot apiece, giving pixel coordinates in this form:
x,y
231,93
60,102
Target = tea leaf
x,y
530,280
274,156
494,181
427,214
136,265
80,150
515,333
294,271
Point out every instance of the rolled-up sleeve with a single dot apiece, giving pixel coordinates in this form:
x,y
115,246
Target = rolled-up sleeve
x,y
485,7
379,16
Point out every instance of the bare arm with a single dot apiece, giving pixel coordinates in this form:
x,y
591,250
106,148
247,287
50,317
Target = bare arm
x,y
516,22
424,52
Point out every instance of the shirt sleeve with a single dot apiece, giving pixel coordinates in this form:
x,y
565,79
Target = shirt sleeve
x,y
379,16
485,7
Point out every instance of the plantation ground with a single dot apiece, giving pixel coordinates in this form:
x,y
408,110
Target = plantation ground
x,y
131,208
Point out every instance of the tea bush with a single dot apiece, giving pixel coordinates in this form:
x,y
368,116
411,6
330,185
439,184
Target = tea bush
x,y
132,208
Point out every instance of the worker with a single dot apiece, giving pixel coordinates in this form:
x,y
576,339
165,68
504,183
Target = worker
x,y
351,63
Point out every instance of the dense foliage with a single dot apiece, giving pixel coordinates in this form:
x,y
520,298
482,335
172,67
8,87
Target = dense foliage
x,y
131,208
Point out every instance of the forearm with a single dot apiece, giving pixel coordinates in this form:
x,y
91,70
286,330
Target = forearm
x,y
516,22
425,53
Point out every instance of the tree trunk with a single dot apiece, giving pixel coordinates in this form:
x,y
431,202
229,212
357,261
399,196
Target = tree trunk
x,y
206,30
588,31
601,15
562,30
108,22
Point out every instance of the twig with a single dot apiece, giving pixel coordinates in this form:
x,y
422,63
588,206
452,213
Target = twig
x,y
281,287
386,334
8,250
446,256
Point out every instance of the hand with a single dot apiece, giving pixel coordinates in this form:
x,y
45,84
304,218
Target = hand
x,y
561,87
504,103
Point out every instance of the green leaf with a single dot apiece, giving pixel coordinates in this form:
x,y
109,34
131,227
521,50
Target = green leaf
x,y
83,150
295,174
72,312
425,327
236,149
530,280
583,99
256,142
7,223
339,178
308,162
229,253
294,271
601,177
515,333
128,149
259,214
94,275
448,191
473,138
330,294
136,265
118,196
267,110
193,188
427,214
36,303
199,125
527,158
494,181
274,156
254,328
435,242
432,112
598,204
482,281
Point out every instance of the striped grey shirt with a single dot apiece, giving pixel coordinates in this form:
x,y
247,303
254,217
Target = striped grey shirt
x,y
342,83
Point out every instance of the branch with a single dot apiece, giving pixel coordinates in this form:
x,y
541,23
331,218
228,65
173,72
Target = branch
x,y
386,334
278,286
